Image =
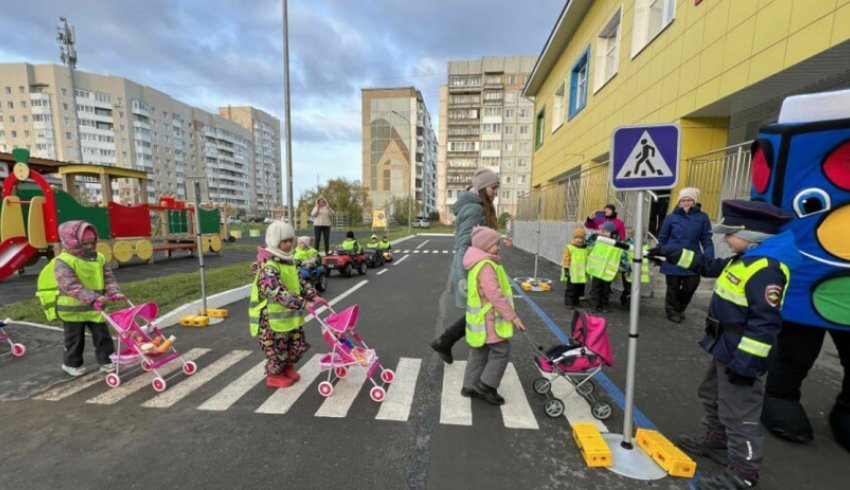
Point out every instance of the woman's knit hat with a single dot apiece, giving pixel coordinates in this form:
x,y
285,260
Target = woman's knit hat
x,y
483,178
483,237
689,192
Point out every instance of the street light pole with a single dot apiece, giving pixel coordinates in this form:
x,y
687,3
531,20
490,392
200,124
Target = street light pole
x,y
287,114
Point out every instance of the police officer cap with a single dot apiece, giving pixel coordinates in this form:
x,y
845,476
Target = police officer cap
x,y
739,214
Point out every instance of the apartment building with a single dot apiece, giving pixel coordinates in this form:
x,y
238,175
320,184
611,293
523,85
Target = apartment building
x,y
399,147
485,122
75,116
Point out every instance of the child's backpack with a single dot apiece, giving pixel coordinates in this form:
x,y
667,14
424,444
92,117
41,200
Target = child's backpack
x,y
47,290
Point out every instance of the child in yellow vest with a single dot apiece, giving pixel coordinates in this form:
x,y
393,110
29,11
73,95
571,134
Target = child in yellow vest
x,y
490,317
575,268
83,280
278,305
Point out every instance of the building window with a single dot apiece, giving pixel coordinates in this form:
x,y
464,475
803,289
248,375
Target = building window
x,y
508,147
8,90
509,113
509,130
10,104
524,113
20,89
510,98
558,108
491,128
522,162
651,17
578,84
538,128
523,130
607,52
511,79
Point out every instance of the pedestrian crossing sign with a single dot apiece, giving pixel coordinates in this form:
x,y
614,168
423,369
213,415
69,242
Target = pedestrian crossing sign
x,y
645,157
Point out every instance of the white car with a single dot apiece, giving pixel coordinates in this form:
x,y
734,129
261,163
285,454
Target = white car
x,y
422,223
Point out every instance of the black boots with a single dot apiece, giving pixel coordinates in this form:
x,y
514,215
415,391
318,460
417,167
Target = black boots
x,y
488,393
728,480
839,421
786,418
709,446
445,353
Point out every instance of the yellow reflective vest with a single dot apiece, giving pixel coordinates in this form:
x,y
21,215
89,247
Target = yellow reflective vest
x,y
281,318
578,265
64,307
476,313
603,262
644,265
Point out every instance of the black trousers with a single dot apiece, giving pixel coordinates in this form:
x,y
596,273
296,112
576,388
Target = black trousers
x,y
322,231
75,342
573,293
680,290
600,293
453,333
798,348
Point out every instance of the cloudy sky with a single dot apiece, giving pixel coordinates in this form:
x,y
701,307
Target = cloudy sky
x,y
210,53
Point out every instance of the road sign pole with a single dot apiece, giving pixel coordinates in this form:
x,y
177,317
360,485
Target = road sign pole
x,y
198,240
634,315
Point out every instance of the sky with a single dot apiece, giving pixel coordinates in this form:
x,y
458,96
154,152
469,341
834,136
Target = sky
x,y
214,53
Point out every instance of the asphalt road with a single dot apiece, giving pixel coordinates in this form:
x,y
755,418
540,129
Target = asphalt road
x,y
222,428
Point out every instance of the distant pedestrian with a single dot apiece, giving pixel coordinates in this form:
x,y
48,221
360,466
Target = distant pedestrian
x,y
686,227
574,263
607,214
474,207
322,214
491,317
279,298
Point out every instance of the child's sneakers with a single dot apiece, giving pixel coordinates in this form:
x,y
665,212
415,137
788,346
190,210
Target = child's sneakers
x,y
278,381
107,368
74,371
290,372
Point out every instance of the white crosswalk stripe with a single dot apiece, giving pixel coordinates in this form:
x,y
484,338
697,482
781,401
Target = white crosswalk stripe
x,y
225,398
405,252
177,393
454,408
143,380
425,251
445,251
345,391
282,400
416,251
70,387
516,412
385,270
400,394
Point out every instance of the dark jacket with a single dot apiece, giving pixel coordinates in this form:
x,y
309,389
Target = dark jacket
x,y
760,320
686,230
469,212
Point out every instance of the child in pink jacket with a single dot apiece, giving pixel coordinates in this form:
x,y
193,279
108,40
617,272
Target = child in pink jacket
x,y
486,363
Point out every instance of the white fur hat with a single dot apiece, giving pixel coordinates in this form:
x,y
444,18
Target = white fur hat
x,y
277,232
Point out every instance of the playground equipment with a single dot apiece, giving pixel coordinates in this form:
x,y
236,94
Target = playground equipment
x,y
32,211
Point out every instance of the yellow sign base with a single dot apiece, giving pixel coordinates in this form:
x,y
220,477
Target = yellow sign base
x,y
196,321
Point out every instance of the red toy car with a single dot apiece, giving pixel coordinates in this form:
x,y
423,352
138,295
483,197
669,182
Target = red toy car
x,y
345,261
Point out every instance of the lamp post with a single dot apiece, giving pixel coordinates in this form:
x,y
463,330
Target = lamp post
x,y
411,190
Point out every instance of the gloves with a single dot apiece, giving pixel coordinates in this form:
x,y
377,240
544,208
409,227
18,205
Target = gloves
x,y
739,379
655,255
622,245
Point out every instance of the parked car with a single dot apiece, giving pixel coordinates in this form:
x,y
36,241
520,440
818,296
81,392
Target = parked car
x,y
422,222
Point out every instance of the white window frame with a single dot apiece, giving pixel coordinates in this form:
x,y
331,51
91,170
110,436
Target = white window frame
x,y
558,107
641,34
608,47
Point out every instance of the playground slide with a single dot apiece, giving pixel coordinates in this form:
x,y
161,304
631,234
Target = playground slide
x,y
14,253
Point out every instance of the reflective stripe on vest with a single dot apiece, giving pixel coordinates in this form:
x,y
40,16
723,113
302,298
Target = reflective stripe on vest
x,y
644,265
732,283
90,275
281,318
603,262
476,314
578,264
686,259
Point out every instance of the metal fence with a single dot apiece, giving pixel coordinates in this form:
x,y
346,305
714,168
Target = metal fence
x,y
721,174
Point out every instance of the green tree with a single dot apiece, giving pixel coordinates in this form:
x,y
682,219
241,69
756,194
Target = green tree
x,y
401,207
345,197
503,218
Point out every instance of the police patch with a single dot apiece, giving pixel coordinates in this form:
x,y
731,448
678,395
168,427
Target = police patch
x,y
773,295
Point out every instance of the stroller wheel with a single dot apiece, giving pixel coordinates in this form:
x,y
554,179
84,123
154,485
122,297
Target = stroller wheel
x,y
326,389
585,389
554,408
378,394
159,384
601,410
189,368
541,386
340,372
112,380
387,376
18,350
146,366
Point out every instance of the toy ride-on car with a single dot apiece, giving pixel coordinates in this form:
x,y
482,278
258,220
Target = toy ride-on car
x,y
388,255
315,274
374,257
345,261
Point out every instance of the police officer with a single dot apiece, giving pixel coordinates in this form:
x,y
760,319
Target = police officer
x,y
741,329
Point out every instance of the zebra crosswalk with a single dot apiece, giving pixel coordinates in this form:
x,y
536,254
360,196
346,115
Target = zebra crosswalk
x,y
415,251
517,412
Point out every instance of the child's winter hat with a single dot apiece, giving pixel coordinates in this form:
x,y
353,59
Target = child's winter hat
x,y
350,234
305,240
483,237
276,233
609,227
579,233
689,192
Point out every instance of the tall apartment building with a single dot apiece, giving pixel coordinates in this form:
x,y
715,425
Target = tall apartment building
x,y
399,147
100,119
266,192
485,122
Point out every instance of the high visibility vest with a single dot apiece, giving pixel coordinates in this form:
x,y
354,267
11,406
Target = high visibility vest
x,y
385,245
67,308
578,264
644,265
281,318
476,314
351,245
731,286
603,262
305,255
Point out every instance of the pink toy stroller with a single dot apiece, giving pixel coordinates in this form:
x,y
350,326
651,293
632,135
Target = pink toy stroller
x,y
588,352
349,349
17,349
136,344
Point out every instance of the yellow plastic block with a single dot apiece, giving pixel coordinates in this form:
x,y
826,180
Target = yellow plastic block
x,y
593,447
217,313
195,321
665,453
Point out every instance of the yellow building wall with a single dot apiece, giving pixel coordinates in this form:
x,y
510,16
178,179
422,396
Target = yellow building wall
x,y
708,52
